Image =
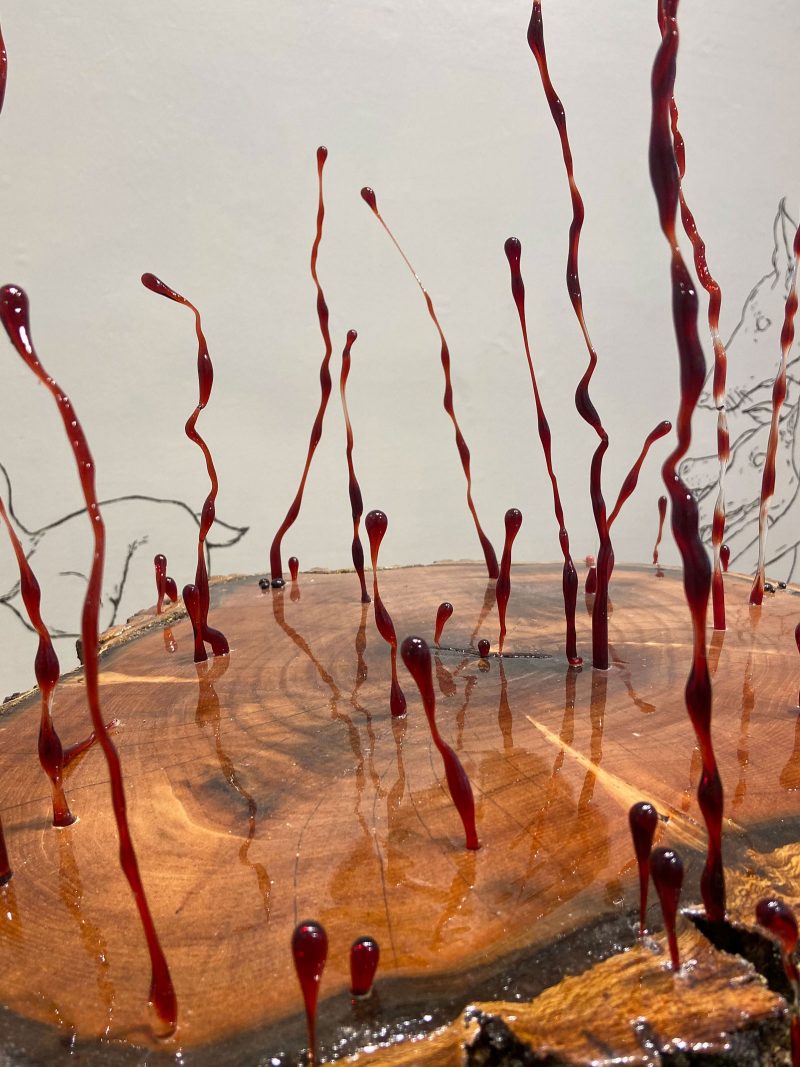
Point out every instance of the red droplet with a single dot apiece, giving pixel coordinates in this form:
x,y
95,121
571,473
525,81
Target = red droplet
x,y
368,196
483,648
443,613
364,957
725,556
778,918
310,951
666,870
643,820
294,567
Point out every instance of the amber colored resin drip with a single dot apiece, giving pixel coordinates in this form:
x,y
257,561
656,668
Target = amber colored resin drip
x,y
662,514
778,397
354,489
583,402
666,870
417,658
205,379
443,613
364,958
569,576
14,315
513,523
325,384
696,569
643,820
720,359
368,196
310,953
377,524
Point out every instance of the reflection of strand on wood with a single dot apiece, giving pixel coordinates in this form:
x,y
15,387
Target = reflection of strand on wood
x,y
336,694
743,748
71,892
208,712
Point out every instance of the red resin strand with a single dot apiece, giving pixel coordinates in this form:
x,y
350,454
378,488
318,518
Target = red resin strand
x,y
3,69
47,671
489,555
513,522
778,397
165,586
569,578
583,403
417,658
696,568
632,477
205,378
720,360
275,564
662,514
14,315
376,525
354,489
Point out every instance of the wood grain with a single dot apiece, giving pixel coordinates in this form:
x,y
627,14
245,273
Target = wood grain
x,y
273,787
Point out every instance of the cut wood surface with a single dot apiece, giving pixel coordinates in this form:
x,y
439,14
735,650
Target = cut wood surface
x,y
272,786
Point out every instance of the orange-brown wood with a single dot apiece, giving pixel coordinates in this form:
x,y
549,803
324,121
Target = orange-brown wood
x,y
273,786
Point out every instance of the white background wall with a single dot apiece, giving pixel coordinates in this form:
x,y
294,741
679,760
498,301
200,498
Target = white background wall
x,y
180,137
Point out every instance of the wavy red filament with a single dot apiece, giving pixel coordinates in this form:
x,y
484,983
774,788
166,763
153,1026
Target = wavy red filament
x,y
368,196
275,565
583,402
666,870
569,579
696,569
310,953
720,359
632,477
376,525
205,378
443,613
778,397
15,319
417,658
662,514
191,601
3,69
354,489
47,671
643,820
513,522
